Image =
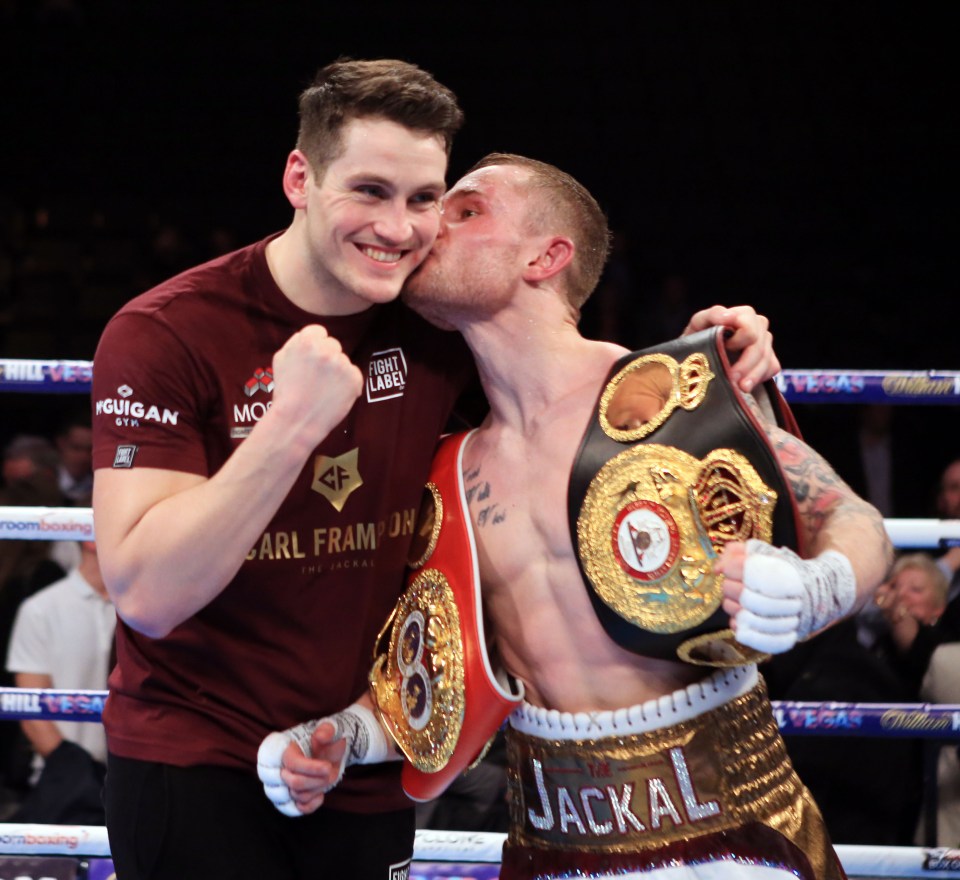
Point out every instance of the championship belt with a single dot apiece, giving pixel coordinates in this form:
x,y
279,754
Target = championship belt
x,y
672,467
432,680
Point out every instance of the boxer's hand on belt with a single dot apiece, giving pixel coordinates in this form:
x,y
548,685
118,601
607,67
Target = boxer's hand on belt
x,y
774,598
300,765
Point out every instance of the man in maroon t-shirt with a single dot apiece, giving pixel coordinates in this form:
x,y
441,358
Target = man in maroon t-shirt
x,y
264,424
263,427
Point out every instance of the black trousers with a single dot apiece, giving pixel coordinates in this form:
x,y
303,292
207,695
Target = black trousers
x,y
215,823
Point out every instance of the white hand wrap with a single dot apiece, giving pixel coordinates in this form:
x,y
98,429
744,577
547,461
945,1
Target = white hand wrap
x,y
366,744
786,598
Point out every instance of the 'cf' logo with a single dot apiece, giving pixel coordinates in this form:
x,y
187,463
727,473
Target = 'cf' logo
x,y
336,478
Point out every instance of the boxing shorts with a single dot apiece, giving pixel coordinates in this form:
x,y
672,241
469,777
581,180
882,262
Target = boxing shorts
x,y
696,778
434,682
674,465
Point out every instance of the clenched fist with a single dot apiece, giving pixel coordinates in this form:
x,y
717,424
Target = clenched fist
x,y
316,384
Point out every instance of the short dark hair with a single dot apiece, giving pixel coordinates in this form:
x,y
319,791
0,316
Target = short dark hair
x,y
568,204
385,88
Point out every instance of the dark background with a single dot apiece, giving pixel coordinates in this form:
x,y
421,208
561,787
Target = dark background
x,y
793,155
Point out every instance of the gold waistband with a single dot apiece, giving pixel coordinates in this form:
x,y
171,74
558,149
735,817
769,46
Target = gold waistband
x,y
720,770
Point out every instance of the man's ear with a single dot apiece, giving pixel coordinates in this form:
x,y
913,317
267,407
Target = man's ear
x,y
295,179
555,255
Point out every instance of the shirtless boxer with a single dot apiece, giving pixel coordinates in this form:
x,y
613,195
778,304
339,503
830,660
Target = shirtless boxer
x,y
620,763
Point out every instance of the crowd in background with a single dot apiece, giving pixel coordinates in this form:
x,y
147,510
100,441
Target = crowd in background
x,y
56,630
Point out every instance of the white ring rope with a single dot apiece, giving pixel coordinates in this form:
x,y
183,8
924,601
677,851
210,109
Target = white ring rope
x,y
76,524
485,847
916,533
46,523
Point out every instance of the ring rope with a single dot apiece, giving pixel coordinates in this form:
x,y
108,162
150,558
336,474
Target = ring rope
x,y
484,847
76,524
794,718
926,387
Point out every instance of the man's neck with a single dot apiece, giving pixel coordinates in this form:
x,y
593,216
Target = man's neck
x,y
528,364
288,263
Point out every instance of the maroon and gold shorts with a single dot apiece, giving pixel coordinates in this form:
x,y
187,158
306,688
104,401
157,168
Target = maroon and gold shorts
x,y
695,784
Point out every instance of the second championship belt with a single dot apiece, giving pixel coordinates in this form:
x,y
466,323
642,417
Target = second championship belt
x,y
673,466
433,682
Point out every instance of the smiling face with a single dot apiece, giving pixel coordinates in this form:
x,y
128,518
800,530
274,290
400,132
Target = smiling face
x,y
477,258
916,590
373,216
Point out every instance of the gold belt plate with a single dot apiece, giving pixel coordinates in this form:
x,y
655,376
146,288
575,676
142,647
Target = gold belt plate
x,y
653,520
418,681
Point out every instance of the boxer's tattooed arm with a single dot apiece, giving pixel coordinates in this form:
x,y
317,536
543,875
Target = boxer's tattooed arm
x,y
819,491
477,490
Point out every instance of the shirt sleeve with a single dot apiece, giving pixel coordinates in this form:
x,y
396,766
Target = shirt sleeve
x,y
147,399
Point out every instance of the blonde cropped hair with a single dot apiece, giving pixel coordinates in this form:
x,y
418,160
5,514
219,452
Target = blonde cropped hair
x,y
925,563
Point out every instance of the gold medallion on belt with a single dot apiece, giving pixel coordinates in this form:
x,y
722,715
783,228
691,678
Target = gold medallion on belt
x,y
654,519
418,681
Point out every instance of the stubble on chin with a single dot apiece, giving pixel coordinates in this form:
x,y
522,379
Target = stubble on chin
x,y
420,293
419,288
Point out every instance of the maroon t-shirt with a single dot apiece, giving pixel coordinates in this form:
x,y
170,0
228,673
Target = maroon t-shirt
x,y
181,376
